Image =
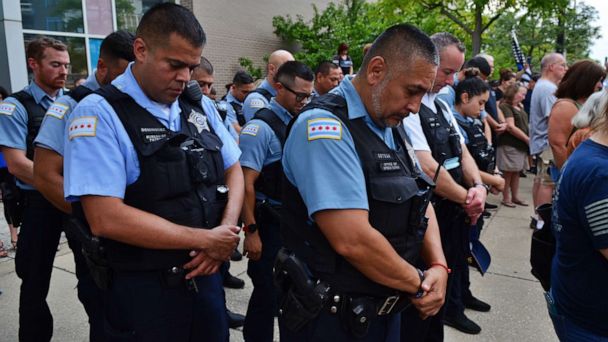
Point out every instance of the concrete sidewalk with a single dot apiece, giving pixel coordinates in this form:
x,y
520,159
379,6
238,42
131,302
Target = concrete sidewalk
x,y
518,309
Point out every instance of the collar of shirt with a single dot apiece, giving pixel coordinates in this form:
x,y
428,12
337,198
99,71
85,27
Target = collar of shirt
x,y
266,85
230,99
128,85
280,111
40,96
461,117
91,81
356,109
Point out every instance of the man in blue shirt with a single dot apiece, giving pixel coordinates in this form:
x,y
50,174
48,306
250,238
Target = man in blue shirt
x,y
242,85
20,118
261,141
348,204
260,97
115,53
327,77
155,173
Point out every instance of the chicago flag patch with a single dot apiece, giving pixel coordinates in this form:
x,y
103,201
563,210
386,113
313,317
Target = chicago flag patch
x,y
7,108
57,110
85,126
325,128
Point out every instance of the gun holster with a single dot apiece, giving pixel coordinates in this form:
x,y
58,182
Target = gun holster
x,y
92,250
301,298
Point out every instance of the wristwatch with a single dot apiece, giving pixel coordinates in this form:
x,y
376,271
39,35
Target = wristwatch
x,y
420,291
251,228
487,187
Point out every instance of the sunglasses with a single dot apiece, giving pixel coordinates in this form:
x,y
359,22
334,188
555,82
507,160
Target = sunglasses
x,y
299,96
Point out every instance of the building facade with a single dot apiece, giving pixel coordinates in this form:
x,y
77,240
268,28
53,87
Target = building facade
x,y
235,28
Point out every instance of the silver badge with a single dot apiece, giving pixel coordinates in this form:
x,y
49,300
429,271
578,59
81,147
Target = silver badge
x,y
199,120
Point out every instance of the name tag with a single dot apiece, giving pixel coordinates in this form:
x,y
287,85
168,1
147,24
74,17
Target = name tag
x,y
153,134
389,166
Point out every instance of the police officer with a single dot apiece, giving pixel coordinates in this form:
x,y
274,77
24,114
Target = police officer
x,y
20,118
460,193
351,203
242,85
115,53
327,77
203,75
260,97
261,143
164,167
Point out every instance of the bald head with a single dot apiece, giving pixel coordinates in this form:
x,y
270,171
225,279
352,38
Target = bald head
x,y
275,60
553,67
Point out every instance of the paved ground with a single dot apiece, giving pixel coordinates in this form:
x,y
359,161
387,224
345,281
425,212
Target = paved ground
x,y
518,309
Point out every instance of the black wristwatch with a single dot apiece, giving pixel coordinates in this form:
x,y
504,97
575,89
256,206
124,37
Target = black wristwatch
x,y
420,291
487,187
252,228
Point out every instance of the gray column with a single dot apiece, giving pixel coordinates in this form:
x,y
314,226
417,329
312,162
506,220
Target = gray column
x,y
13,68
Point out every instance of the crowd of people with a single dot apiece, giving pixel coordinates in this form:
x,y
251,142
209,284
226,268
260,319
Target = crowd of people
x,y
153,178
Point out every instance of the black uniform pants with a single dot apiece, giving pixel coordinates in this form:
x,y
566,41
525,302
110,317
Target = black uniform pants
x,y
38,241
454,239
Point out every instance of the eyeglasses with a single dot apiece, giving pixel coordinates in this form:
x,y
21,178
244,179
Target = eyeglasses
x,y
299,96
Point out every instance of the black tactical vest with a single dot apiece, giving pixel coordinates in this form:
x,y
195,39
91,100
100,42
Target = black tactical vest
x,y
478,145
442,137
269,181
238,109
35,114
391,181
181,177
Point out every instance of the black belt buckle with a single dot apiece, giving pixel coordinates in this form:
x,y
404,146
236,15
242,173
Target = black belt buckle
x,y
388,305
173,277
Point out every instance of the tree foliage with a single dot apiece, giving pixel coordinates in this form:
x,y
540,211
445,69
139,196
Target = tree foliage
x,y
483,25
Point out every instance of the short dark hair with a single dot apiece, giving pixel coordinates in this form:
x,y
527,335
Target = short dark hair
x,y
35,48
242,77
118,45
160,21
325,67
206,66
399,44
479,63
288,72
580,80
3,93
472,85
444,39
342,47
506,74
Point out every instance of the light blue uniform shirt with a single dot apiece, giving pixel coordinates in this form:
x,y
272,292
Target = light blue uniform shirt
x,y
231,113
328,172
101,159
259,144
52,131
256,101
13,120
225,106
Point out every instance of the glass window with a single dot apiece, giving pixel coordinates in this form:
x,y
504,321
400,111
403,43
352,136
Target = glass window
x,y
78,59
94,46
52,15
99,17
129,12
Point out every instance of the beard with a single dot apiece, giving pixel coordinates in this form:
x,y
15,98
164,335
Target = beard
x,y
378,116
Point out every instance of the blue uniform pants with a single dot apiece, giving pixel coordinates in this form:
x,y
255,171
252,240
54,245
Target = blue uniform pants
x,y
262,308
38,241
327,327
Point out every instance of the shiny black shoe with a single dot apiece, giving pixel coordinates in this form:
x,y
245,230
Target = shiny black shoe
x,y
463,324
533,223
490,206
236,255
477,305
486,214
235,320
233,282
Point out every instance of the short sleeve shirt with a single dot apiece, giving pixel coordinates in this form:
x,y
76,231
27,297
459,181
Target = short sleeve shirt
x,y
543,98
256,101
52,129
14,119
313,158
579,276
413,126
100,158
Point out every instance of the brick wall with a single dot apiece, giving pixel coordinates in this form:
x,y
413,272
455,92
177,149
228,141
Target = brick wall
x,y
239,28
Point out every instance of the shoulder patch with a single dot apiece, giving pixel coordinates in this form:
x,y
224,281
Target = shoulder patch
x,y
57,110
7,108
85,126
325,128
251,129
257,103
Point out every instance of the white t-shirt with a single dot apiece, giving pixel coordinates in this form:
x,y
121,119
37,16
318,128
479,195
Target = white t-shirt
x,y
413,127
